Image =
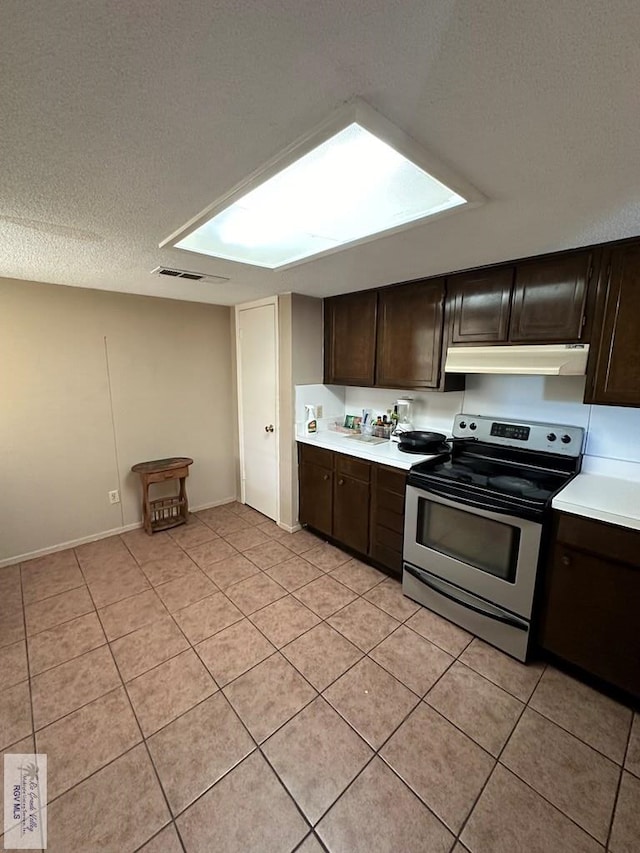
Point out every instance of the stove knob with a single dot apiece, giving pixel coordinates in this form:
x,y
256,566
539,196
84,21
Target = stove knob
x,y
472,426
462,424
565,439
552,436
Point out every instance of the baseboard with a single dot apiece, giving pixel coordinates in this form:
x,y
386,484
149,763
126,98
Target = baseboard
x,y
288,527
94,537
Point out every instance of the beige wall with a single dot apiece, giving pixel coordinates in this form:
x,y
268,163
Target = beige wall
x,y
92,382
300,359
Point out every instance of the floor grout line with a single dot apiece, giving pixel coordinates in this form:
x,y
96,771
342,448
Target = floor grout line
x,y
317,693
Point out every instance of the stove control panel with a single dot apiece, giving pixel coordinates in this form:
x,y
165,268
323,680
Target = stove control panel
x,y
533,435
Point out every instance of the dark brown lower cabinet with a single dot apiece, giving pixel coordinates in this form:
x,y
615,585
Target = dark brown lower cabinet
x,y
590,606
387,517
358,504
316,489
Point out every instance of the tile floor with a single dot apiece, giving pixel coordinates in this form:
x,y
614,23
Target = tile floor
x,y
229,687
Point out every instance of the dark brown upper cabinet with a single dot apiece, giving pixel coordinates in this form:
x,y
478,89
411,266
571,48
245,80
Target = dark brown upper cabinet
x,y
549,299
615,367
350,338
409,342
480,302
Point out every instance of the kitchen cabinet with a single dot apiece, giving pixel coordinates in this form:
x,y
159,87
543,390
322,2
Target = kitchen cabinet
x,y
549,299
387,516
350,338
590,600
409,338
480,303
358,504
388,338
615,367
543,300
351,502
316,488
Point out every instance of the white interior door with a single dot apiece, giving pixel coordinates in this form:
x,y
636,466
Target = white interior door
x,y
258,396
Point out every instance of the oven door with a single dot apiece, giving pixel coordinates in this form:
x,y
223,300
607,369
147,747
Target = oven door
x,y
487,553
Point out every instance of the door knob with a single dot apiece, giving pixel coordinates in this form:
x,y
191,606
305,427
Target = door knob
x,y
269,428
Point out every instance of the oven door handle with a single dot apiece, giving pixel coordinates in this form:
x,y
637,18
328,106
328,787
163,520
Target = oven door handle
x,y
489,612
490,506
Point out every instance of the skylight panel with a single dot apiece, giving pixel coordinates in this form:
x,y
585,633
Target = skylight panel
x,y
348,187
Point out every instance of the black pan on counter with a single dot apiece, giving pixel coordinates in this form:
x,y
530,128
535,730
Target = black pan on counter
x,y
423,441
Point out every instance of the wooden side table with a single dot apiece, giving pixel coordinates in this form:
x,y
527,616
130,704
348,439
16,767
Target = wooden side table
x,y
162,513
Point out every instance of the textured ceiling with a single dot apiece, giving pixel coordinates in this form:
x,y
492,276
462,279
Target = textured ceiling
x,y
121,121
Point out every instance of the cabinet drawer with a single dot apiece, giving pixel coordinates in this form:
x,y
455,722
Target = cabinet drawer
x,y
316,455
390,520
351,467
607,540
390,502
388,557
389,538
391,479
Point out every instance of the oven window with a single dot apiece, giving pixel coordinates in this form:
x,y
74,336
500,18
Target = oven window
x,y
480,542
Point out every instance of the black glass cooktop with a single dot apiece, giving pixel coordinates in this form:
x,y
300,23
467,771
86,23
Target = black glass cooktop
x,y
500,477
505,475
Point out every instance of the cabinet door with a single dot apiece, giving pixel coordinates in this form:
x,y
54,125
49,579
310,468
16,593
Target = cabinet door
x,y
350,338
410,335
316,496
617,372
351,512
481,305
549,299
590,616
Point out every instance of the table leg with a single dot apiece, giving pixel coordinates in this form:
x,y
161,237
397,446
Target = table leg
x,y
146,508
183,497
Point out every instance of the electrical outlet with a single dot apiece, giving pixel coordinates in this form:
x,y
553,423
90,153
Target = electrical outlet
x,y
318,411
114,497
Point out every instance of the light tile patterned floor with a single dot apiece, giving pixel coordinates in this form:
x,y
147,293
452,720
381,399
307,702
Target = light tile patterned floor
x,y
229,687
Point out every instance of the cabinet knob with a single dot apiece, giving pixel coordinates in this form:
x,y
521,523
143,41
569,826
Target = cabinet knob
x,y
341,482
566,561
325,477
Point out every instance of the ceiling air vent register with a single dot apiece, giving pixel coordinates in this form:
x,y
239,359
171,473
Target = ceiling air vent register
x,y
171,272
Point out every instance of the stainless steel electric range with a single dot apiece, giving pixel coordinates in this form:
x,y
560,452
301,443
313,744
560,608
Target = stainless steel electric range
x,y
475,521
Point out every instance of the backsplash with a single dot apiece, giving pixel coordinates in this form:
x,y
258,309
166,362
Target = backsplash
x,y
613,432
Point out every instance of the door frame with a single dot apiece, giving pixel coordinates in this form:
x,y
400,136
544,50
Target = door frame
x,y
245,306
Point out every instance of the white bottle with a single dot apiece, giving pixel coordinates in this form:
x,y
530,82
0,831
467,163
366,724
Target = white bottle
x,y
310,420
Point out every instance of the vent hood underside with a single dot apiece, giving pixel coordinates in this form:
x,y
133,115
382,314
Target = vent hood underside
x,y
543,360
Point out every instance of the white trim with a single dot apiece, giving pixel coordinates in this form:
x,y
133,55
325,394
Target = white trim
x,y
289,528
355,110
247,306
94,537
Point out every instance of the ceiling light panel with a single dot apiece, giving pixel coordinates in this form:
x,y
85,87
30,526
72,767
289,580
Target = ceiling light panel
x,y
338,187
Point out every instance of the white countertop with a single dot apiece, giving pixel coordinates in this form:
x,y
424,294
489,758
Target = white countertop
x,y
606,490
386,453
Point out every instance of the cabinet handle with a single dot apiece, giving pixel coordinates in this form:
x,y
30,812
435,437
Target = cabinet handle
x,y
341,482
325,477
566,561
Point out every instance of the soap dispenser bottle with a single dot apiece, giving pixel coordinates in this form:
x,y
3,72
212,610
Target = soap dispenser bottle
x,y
310,420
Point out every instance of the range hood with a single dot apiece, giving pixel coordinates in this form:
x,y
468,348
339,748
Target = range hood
x,y
541,360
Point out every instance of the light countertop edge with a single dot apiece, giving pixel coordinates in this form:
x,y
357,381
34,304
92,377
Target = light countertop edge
x,y
610,499
384,454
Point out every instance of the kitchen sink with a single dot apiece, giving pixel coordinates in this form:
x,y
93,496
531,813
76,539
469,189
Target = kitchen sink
x,y
367,439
